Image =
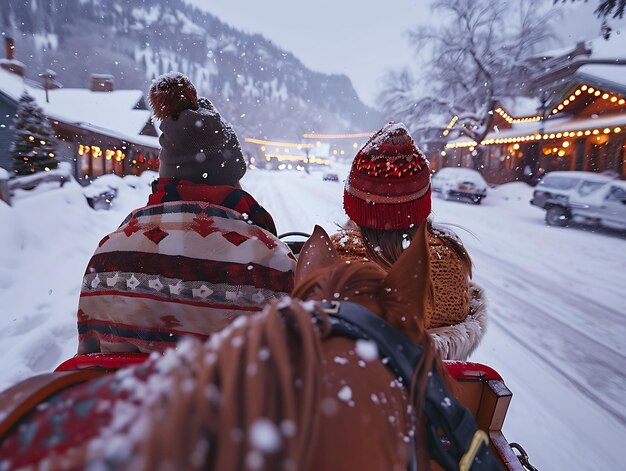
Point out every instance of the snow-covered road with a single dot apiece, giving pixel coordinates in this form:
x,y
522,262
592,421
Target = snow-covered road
x,y
557,305
557,301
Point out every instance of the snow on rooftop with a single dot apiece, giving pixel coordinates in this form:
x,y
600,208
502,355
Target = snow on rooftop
x,y
615,74
109,113
555,125
520,106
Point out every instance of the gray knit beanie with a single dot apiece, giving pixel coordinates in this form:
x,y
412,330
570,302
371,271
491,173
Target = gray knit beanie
x,y
196,143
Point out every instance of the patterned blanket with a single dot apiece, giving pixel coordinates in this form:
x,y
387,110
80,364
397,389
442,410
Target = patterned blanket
x,y
188,263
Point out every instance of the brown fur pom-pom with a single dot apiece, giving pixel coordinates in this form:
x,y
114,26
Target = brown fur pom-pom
x,y
172,93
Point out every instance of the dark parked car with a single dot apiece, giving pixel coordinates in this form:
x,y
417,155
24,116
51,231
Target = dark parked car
x,y
330,177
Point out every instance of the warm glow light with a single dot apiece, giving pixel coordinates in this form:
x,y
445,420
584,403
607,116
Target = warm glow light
x,y
583,88
606,130
262,148
561,153
515,146
275,143
565,144
355,145
617,130
605,96
337,136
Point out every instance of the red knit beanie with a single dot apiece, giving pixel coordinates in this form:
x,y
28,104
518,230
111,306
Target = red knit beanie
x,y
389,183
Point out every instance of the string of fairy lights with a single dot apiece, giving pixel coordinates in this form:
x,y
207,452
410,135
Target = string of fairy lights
x,y
450,125
587,91
581,92
282,151
511,120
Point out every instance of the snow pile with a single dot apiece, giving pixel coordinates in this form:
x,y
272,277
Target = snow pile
x,y
47,238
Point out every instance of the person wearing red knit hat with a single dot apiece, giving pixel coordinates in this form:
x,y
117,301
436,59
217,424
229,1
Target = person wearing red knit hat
x,y
387,196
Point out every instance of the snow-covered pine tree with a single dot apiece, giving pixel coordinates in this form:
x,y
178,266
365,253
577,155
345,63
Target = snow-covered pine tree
x,y
33,148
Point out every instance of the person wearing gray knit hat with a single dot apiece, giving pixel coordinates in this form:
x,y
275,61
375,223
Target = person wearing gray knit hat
x,y
196,143
200,253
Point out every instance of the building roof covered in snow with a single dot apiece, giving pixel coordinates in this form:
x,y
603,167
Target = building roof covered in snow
x,y
120,113
612,77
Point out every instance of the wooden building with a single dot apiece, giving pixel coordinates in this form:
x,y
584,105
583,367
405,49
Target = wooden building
x,y
576,122
585,130
99,130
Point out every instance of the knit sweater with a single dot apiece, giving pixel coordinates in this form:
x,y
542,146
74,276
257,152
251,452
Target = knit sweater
x,y
457,320
188,263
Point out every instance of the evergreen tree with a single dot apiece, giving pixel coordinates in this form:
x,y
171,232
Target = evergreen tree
x,y
33,148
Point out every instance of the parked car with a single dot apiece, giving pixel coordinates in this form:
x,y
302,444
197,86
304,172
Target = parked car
x,y
457,183
582,197
330,177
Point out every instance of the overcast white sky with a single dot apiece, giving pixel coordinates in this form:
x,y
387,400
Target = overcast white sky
x,y
360,38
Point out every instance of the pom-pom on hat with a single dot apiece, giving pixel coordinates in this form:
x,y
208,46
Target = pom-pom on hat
x,y
196,143
389,183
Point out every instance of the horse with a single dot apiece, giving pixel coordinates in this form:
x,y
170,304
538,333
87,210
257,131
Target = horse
x,y
276,390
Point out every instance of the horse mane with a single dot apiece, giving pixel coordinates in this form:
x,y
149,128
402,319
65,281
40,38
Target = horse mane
x,y
249,376
266,371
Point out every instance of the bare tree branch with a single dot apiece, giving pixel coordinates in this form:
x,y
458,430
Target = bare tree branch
x,y
478,57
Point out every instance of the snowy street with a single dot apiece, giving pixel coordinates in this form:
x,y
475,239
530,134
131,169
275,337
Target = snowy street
x,y
557,308
557,303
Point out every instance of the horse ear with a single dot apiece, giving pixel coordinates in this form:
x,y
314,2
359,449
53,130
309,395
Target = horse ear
x,y
409,280
317,252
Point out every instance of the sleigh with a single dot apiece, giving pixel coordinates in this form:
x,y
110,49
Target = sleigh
x,y
479,388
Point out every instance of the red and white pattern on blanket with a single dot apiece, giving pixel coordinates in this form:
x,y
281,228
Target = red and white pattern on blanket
x,y
98,424
175,269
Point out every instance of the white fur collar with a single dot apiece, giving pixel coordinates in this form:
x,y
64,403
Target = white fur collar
x,y
457,342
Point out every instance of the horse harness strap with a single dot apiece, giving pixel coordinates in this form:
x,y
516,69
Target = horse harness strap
x,y
467,447
19,400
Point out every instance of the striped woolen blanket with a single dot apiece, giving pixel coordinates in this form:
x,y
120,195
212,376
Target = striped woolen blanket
x,y
179,267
